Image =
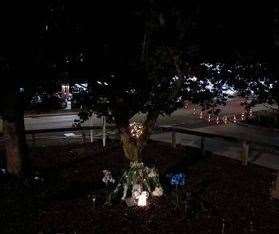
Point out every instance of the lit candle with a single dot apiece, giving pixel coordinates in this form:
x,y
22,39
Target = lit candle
x,y
201,115
225,120
250,113
209,118
142,201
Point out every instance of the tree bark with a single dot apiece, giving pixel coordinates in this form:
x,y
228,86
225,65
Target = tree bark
x,y
16,155
15,142
133,147
130,148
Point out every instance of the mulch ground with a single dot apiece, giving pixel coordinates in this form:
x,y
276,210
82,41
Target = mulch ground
x,y
225,197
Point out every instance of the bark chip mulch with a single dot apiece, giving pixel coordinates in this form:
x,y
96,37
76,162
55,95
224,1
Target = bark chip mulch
x,y
220,195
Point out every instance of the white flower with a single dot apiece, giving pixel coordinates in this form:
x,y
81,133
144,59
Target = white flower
x,y
140,173
136,191
108,177
136,194
137,187
106,172
142,201
3,171
158,192
152,173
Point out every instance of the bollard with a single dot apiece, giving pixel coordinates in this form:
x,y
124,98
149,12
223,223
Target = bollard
x,y
91,131
83,137
275,188
104,131
203,146
33,139
245,153
173,139
91,136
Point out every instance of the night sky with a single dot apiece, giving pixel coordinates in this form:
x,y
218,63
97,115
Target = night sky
x,y
222,29
232,26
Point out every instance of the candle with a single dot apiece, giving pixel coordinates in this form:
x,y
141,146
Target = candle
x,y
142,201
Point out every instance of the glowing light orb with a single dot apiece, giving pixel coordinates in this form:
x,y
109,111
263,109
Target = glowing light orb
x,y
209,118
242,116
225,120
201,115
142,201
250,113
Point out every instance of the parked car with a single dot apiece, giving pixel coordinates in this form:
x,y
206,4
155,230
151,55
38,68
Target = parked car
x,y
46,102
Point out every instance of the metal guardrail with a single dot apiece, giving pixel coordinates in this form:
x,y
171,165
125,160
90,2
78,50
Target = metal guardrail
x,y
215,135
197,133
246,143
81,129
173,129
71,129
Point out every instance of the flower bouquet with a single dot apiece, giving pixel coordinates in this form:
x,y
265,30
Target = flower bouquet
x,y
137,184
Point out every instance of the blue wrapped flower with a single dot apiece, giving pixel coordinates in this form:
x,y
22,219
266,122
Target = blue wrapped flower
x,y
178,179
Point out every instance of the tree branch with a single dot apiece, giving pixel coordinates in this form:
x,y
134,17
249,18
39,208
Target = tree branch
x,y
148,126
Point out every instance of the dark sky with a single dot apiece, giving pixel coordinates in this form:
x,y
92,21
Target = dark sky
x,y
225,28
233,26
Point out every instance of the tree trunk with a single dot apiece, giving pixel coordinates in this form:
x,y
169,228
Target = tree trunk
x,y
133,147
13,131
15,147
130,148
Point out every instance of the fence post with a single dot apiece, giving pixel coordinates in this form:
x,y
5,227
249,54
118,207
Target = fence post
x,y
245,153
91,131
275,188
104,131
203,146
91,136
173,138
33,139
83,136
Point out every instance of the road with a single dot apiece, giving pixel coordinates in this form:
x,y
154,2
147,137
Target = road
x,y
46,122
60,121
181,116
